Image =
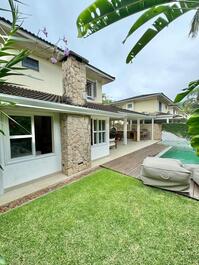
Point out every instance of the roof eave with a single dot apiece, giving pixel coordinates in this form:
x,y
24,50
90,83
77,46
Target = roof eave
x,y
103,74
57,107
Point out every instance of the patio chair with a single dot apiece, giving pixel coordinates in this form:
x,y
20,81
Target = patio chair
x,y
166,173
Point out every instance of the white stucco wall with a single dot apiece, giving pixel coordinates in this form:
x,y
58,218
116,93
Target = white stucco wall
x,y
99,151
47,79
29,168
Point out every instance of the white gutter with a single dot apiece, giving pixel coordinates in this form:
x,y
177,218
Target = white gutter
x,y
57,107
139,116
171,116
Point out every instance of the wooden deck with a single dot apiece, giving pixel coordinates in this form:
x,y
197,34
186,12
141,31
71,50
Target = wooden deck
x,y
131,165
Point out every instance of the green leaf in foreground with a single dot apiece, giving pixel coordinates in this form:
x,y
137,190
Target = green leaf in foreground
x,y
2,261
103,13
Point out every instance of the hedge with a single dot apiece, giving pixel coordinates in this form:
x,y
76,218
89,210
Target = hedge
x,y
179,129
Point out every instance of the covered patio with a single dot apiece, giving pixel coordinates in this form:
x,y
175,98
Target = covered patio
x,y
134,127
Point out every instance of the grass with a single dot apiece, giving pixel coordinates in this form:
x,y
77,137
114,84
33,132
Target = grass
x,y
105,218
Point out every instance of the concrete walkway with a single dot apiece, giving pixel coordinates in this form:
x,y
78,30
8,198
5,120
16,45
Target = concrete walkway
x,y
30,187
123,150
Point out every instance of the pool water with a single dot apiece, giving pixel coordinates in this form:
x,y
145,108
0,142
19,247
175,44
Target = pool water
x,y
186,156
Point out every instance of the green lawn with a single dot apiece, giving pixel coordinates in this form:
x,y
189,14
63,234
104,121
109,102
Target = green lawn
x,y
105,218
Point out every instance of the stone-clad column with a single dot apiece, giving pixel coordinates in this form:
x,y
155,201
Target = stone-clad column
x,y
74,80
76,143
75,129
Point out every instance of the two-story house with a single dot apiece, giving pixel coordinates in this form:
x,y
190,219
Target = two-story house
x,y
157,104
58,122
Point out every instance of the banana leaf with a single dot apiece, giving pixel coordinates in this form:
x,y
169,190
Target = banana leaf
x,y
192,85
103,13
168,15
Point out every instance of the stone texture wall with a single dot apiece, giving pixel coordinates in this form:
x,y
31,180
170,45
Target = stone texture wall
x,y
74,80
76,145
157,131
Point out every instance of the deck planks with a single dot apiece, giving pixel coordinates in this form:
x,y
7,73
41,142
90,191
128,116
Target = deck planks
x,y
131,164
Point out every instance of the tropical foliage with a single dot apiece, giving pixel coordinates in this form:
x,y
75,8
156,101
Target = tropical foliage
x,y
103,13
191,102
193,122
9,57
2,261
106,99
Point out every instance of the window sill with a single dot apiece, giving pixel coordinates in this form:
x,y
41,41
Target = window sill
x,y
90,99
98,145
29,158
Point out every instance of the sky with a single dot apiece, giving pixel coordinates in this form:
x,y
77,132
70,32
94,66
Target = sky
x,y
166,65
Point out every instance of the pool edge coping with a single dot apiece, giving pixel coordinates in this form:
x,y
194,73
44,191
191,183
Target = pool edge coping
x,y
164,151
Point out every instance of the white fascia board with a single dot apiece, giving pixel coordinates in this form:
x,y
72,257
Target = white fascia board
x,y
163,117
100,73
139,116
56,107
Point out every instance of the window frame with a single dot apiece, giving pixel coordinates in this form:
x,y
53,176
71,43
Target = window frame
x,y
98,131
11,160
93,95
29,67
160,106
130,104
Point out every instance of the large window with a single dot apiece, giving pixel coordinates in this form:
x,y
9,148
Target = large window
x,y
43,135
31,63
98,131
30,136
129,106
91,89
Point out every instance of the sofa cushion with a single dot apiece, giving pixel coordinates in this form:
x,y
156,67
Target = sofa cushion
x,y
164,163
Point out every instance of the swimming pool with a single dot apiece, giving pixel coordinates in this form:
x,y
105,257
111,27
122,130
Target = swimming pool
x,y
186,156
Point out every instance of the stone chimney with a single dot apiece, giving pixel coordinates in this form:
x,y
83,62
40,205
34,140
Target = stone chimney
x,y
75,129
74,80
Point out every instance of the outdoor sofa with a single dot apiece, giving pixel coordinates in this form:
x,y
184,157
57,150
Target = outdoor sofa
x,y
169,174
